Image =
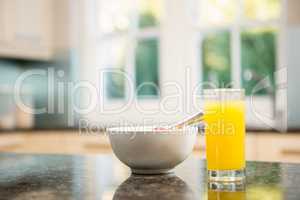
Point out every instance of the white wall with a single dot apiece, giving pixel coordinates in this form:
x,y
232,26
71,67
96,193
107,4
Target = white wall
x,y
293,59
292,48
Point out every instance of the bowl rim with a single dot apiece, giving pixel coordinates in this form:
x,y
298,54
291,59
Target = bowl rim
x,y
150,129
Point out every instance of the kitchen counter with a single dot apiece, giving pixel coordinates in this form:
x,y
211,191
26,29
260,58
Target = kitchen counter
x,y
47,177
281,147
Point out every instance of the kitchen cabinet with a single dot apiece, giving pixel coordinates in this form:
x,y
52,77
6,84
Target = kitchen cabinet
x,y
3,22
278,147
26,29
263,146
54,142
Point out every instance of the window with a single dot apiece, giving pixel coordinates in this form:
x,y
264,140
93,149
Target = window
x,y
262,10
216,12
239,43
114,15
113,58
137,53
216,59
258,54
149,13
146,67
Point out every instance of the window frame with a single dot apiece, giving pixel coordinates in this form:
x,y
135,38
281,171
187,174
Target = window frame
x,y
235,30
170,35
132,35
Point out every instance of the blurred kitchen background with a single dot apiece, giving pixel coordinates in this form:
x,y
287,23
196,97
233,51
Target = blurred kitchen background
x,y
56,50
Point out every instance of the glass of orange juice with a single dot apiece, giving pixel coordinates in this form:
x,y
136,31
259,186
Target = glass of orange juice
x,y
224,115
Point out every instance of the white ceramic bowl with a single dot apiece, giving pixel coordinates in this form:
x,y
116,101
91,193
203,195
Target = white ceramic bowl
x,y
147,150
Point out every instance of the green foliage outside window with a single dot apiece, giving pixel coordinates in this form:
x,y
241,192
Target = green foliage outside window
x,y
149,13
147,19
146,67
258,61
216,59
115,84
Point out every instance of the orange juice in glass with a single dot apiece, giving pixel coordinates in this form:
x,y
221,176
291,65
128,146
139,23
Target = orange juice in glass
x,y
225,134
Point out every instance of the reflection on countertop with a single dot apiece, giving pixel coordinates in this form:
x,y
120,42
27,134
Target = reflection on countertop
x,y
104,177
167,186
230,191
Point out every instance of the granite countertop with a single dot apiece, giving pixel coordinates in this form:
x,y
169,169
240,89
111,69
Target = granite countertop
x,y
53,177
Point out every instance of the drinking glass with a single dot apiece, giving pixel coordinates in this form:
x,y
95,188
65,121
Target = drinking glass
x,y
224,115
226,191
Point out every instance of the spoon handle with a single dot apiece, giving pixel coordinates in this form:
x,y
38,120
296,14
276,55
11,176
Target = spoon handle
x,y
195,119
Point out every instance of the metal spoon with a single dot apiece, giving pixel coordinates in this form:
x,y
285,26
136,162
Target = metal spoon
x,y
193,120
